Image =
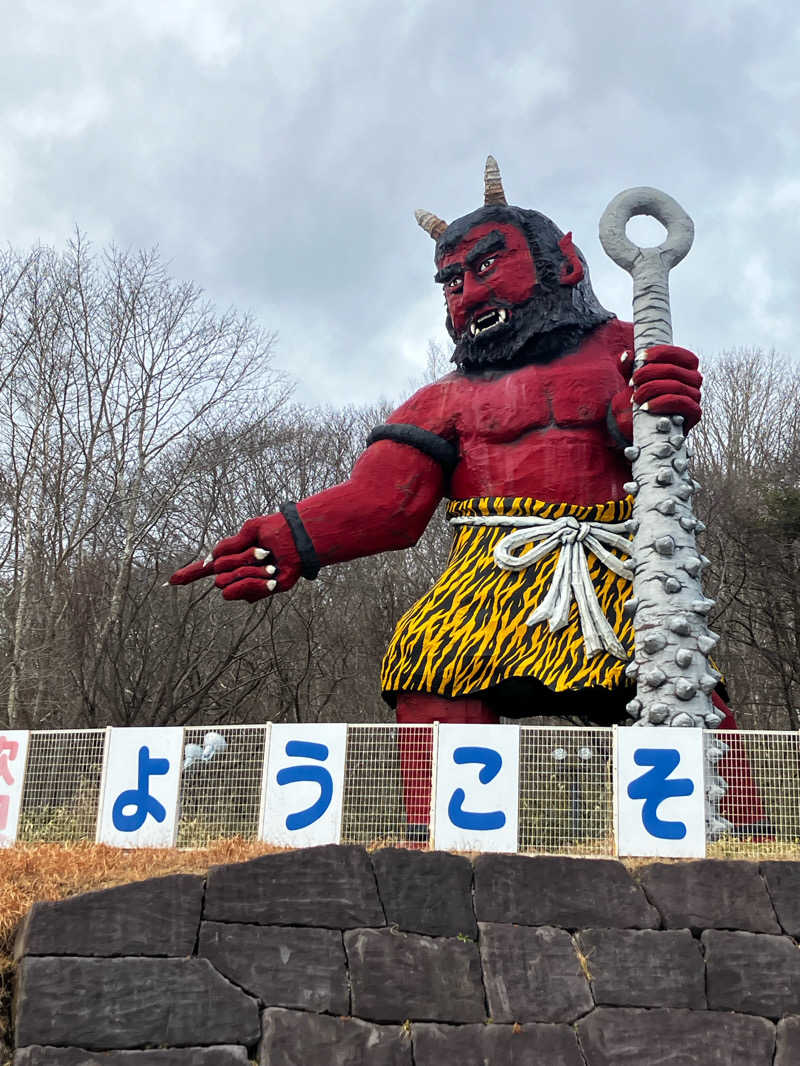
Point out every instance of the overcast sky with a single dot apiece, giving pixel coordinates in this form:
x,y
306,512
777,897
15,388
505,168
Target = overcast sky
x,y
275,151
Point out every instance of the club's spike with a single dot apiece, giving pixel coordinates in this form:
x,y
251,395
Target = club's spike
x,y
654,642
683,720
654,677
658,713
684,689
706,641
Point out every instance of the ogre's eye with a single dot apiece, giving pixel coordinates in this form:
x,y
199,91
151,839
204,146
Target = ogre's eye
x,y
454,284
487,265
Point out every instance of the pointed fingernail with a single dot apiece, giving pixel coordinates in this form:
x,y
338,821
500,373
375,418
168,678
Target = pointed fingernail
x,y
208,559
270,569
166,585
645,406
631,381
624,356
260,553
271,585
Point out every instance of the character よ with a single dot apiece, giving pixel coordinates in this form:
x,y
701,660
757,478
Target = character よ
x,y
526,439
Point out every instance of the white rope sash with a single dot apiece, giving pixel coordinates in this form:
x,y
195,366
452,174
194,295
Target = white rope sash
x,y
571,577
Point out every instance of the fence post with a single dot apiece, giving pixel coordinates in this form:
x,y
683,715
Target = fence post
x,y
614,791
434,782
262,800
103,773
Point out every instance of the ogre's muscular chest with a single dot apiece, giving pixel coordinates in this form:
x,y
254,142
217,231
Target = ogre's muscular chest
x,y
573,392
542,430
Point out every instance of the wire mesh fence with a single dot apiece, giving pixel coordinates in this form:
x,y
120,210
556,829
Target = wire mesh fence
x,y
566,799
566,788
761,793
387,785
61,792
220,791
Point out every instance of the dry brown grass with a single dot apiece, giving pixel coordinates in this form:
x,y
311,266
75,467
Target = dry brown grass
x,y
29,873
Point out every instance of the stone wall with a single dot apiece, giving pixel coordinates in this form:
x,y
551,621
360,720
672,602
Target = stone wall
x,y
335,957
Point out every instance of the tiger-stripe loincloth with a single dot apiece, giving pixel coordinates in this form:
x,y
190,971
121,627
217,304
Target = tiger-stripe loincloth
x,y
469,633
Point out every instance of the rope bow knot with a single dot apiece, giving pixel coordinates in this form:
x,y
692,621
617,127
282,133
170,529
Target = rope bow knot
x,y
571,579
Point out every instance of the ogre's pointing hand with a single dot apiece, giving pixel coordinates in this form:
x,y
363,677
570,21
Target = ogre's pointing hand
x,y
259,560
187,574
668,383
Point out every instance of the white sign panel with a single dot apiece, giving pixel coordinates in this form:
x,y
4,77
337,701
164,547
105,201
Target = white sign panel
x,y
139,805
304,784
13,756
660,792
476,807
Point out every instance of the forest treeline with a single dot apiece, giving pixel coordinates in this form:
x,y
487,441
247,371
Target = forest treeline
x,y
139,425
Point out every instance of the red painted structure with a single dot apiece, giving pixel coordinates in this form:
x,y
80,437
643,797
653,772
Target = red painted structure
x,y
539,406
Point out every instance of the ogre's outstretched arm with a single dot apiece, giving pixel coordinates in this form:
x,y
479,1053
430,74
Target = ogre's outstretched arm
x,y
386,504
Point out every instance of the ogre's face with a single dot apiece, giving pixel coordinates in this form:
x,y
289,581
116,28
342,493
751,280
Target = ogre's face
x,y
487,277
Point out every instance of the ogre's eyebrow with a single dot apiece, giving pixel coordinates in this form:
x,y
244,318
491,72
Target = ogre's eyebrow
x,y
492,242
448,272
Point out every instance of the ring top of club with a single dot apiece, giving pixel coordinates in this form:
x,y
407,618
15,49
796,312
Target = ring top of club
x,y
644,200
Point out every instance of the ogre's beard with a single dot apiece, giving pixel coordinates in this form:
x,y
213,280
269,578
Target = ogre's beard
x,y
541,329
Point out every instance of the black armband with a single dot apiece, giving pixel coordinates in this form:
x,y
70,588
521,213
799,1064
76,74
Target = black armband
x,y
617,435
309,560
431,444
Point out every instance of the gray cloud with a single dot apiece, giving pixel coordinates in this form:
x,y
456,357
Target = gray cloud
x,y
276,153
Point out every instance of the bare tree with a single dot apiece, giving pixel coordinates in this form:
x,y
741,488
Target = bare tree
x,y
116,376
748,460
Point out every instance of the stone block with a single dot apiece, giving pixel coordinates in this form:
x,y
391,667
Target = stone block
x,y
283,966
395,976
621,1036
551,890
427,892
532,974
332,887
783,884
710,894
296,1038
644,967
224,1055
160,916
787,1052
114,1004
500,1045
752,973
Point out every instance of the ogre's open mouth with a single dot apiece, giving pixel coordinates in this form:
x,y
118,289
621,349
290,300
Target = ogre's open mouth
x,y
487,320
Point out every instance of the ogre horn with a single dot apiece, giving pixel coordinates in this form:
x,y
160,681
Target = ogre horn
x,y
492,183
430,223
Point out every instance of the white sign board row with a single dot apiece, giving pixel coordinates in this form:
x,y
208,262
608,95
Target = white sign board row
x,y
659,795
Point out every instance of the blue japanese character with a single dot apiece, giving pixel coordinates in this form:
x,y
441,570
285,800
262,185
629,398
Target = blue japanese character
x,y
490,762
303,749
654,787
139,797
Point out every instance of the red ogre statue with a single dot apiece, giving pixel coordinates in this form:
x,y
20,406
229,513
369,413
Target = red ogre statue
x,y
526,439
